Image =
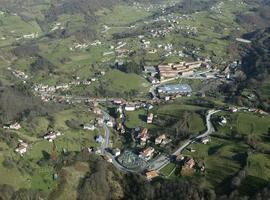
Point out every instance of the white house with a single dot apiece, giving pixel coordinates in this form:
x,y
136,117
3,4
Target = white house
x,y
22,148
117,152
89,127
130,107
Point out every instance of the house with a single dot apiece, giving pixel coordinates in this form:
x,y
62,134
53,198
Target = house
x,y
147,153
15,126
143,135
151,70
89,127
51,135
166,141
179,158
110,124
151,174
97,111
153,80
223,121
205,140
22,148
117,101
159,139
130,107
167,98
102,73
117,152
233,109
99,139
100,121
188,167
189,163
150,118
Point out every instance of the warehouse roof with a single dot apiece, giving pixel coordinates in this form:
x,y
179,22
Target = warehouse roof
x,y
177,88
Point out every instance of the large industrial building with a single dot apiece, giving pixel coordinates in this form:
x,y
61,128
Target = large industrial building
x,y
176,89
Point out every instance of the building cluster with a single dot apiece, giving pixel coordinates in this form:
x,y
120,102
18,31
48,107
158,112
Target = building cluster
x,y
84,45
28,36
47,93
18,74
178,69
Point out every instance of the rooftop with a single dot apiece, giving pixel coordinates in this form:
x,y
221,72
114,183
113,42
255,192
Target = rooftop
x,y
177,88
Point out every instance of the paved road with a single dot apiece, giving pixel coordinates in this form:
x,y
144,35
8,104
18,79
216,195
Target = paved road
x,y
106,141
163,160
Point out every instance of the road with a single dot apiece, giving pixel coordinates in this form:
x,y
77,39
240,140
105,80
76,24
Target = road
x,y
163,160
106,141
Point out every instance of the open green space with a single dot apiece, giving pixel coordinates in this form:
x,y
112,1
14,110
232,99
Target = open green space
x,y
120,81
167,171
220,159
122,15
136,118
245,123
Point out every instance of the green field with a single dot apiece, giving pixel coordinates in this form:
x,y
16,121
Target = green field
x,y
135,118
167,171
122,15
246,124
220,158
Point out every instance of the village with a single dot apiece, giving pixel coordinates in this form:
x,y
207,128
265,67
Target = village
x,y
148,154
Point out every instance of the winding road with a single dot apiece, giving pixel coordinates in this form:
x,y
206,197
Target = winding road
x,y
163,159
